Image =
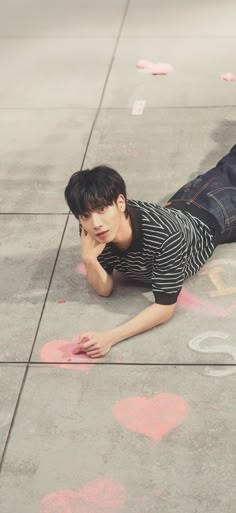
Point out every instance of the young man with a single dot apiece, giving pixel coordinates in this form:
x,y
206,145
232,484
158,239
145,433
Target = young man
x,y
161,246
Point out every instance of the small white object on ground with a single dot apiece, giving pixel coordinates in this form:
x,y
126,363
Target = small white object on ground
x,y
138,107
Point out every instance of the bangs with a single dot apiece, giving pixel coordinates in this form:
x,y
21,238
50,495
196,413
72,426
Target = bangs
x,y
98,195
90,202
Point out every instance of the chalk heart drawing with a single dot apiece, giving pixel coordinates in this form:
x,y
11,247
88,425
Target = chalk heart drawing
x,y
61,351
154,417
192,302
99,496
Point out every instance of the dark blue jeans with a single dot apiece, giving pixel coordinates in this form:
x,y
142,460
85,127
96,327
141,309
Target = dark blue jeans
x,y
214,191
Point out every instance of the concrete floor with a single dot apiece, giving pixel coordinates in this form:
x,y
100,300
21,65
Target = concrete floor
x,y
151,427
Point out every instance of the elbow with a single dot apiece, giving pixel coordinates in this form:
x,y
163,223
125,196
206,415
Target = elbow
x,y
168,317
169,312
164,319
105,294
166,312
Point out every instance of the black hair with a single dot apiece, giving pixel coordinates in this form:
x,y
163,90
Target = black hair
x,y
94,188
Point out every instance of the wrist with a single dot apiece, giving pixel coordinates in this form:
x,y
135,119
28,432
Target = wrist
x,y
114,335
108,336
88,260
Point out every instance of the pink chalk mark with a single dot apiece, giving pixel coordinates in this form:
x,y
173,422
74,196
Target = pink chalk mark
x,y
99,496
143,64
154,417
191,302
80,269
228,77
61,301
62,351
159,68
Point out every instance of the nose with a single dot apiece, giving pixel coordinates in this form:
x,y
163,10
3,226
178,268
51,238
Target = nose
x,y
96,221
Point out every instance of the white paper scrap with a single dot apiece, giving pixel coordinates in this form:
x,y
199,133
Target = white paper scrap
x,y
138,107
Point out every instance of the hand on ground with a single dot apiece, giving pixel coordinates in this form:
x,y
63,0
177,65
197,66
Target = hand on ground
x,y
93,343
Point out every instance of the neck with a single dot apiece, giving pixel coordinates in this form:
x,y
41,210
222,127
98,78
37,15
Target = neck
x,y
124,236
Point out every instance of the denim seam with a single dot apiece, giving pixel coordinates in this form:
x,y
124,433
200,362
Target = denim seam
x,y
203,187
221,189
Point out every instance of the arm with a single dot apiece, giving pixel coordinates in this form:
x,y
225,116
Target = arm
x,y
98,344
98,278
149,318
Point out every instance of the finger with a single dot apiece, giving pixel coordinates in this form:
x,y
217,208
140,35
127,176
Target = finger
x,y
88,344
92,351
93,354
83,339
76,350
80,340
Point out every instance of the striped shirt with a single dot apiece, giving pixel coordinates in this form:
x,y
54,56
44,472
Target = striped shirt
x,y
168,246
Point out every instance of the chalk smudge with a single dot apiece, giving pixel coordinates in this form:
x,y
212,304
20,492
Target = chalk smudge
x,y
213,274
80,269
228,77
191,302
159,68
62,351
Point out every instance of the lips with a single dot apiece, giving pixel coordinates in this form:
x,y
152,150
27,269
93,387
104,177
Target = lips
x,y
102,233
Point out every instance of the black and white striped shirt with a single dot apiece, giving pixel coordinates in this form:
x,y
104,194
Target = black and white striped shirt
x,y
168,246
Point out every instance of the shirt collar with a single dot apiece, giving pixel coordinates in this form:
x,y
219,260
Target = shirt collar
x,y
137,241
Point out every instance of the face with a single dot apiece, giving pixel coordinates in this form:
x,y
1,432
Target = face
x,y
103,223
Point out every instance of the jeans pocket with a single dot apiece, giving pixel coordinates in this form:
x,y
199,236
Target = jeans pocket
x,y
224,204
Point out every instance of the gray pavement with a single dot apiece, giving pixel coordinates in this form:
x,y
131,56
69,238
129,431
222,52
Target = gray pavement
x,y
151,427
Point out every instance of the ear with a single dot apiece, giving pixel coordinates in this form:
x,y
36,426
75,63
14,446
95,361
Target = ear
x,y
121,203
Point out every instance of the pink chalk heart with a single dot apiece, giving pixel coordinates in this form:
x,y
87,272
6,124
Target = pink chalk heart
x,y
154,417
62,351
99,496
80,269
228,77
